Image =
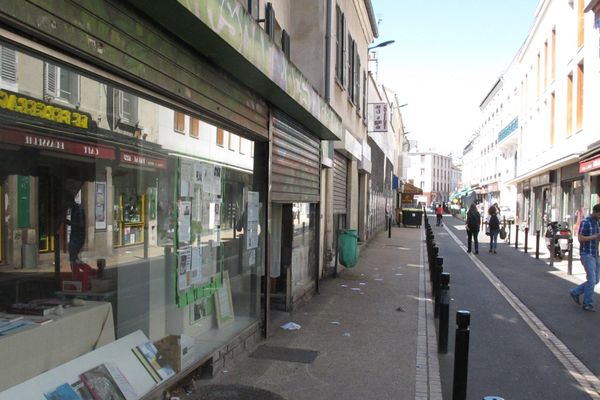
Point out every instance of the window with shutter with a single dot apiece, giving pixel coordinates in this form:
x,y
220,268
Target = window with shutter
x,y
285,43
8,68
339,44
127,108
220,137
253,8
270,20
364,99
61,83
179,122
356,79
194,127
349,74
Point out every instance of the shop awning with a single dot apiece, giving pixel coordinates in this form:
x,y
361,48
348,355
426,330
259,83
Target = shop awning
x,y
411,189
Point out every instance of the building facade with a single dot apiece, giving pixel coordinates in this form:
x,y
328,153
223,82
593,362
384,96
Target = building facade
x,y
432,173
130,144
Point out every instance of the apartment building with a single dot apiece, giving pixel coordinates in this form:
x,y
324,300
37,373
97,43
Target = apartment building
x,y
542,113
433,173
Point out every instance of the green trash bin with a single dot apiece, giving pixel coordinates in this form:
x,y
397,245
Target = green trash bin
x,y
348,248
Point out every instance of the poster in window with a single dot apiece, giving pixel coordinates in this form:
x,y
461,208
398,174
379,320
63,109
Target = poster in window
x,y
223,302
217,180
200,310
198,173
184,273
196,265
100,205
185,215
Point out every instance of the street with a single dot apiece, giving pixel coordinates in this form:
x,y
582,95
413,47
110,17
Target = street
x,y
528,338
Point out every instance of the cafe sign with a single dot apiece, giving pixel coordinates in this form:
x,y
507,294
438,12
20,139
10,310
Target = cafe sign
x,y
18,103
589,165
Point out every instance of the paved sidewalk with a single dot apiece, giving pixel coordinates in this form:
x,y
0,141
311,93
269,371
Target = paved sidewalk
x,y
370,327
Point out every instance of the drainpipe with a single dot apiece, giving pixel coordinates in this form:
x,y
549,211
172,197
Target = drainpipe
x,y
328,52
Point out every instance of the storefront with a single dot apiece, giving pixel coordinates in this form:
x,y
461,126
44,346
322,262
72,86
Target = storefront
x,y
180,238
589,168
572,196
295,196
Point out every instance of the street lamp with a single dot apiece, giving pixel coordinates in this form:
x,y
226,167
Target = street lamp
x,y
382,44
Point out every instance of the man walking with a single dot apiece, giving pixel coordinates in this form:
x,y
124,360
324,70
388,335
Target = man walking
x,y
589,237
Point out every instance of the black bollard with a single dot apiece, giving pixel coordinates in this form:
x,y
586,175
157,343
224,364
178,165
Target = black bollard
x,y
552,248
537,244
390,228
516,236
444,312
570,259
526,238
436,286
461,355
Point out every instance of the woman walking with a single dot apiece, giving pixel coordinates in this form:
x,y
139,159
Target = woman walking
x,y
473,221
494,228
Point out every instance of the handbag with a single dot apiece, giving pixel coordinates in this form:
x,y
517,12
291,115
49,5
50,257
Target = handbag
x,y
502,233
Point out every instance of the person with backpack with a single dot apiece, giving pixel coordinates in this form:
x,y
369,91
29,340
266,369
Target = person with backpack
x,y
494,228
473,221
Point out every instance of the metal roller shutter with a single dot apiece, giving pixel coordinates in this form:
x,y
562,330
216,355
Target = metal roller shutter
x,y
295,163
340,186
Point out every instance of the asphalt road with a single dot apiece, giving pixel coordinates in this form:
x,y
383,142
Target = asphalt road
x,y
507,358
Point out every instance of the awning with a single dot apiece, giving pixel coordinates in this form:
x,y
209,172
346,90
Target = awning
x,y
411,189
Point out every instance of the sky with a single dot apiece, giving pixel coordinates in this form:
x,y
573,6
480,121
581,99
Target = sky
x,y
446,57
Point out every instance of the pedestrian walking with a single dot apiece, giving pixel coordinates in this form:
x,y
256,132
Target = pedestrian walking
x,y
439,212
473,219
589,238
494,228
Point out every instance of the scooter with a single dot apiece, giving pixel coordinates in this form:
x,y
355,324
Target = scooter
x,y
561,233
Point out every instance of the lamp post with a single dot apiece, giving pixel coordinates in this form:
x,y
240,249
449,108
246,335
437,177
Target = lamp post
x,y
382,44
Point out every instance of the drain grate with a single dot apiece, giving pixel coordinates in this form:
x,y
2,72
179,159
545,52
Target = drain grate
x,y
232,392
285,354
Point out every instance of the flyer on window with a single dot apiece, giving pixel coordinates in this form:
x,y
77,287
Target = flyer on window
x,y
185,214
184,274
196,265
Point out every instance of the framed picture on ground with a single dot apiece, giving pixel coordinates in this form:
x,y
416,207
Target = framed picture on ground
x,y
223,302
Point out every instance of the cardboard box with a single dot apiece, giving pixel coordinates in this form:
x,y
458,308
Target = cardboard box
x,y
102,285
178,351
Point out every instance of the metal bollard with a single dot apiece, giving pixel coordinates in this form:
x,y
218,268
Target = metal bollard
x,y
436,286
526,238
390,228
461,355
537,244
444,312
516,236
552,248
570,259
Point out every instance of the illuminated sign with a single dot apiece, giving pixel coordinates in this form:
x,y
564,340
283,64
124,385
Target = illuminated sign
x,y
55,144
34,108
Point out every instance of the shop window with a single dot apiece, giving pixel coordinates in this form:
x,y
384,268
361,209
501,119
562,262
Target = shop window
x,y
194,127
220,137
127,107
8,68
179,122
61,83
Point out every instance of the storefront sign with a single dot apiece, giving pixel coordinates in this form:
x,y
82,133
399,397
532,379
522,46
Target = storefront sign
x,y
35,108
137,159
55,144
540,180
380,123
589,165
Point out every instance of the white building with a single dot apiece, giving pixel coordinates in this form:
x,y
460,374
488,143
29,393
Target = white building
x,y
433,173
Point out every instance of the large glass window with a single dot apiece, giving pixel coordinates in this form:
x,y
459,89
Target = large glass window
x,y
127,225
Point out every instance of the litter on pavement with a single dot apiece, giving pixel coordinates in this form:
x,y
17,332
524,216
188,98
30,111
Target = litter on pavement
x,y
291,326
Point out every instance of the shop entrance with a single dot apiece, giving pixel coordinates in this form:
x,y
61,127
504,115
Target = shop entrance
x,y
48,225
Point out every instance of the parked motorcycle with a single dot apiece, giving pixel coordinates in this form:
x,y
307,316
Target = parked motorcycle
x,y
561,233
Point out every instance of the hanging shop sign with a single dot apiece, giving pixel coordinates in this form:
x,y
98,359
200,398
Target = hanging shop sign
x,y
18,103
589,165
379,120
144,161
51,143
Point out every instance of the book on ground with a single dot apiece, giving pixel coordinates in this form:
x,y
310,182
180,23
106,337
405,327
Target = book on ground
x,y
155,360
63,392
82,391
106,381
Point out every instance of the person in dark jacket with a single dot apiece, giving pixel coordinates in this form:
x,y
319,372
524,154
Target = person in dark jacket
x,y
473,221
494,228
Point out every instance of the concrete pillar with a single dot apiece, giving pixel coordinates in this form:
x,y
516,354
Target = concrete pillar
x,y
328,247
352,216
